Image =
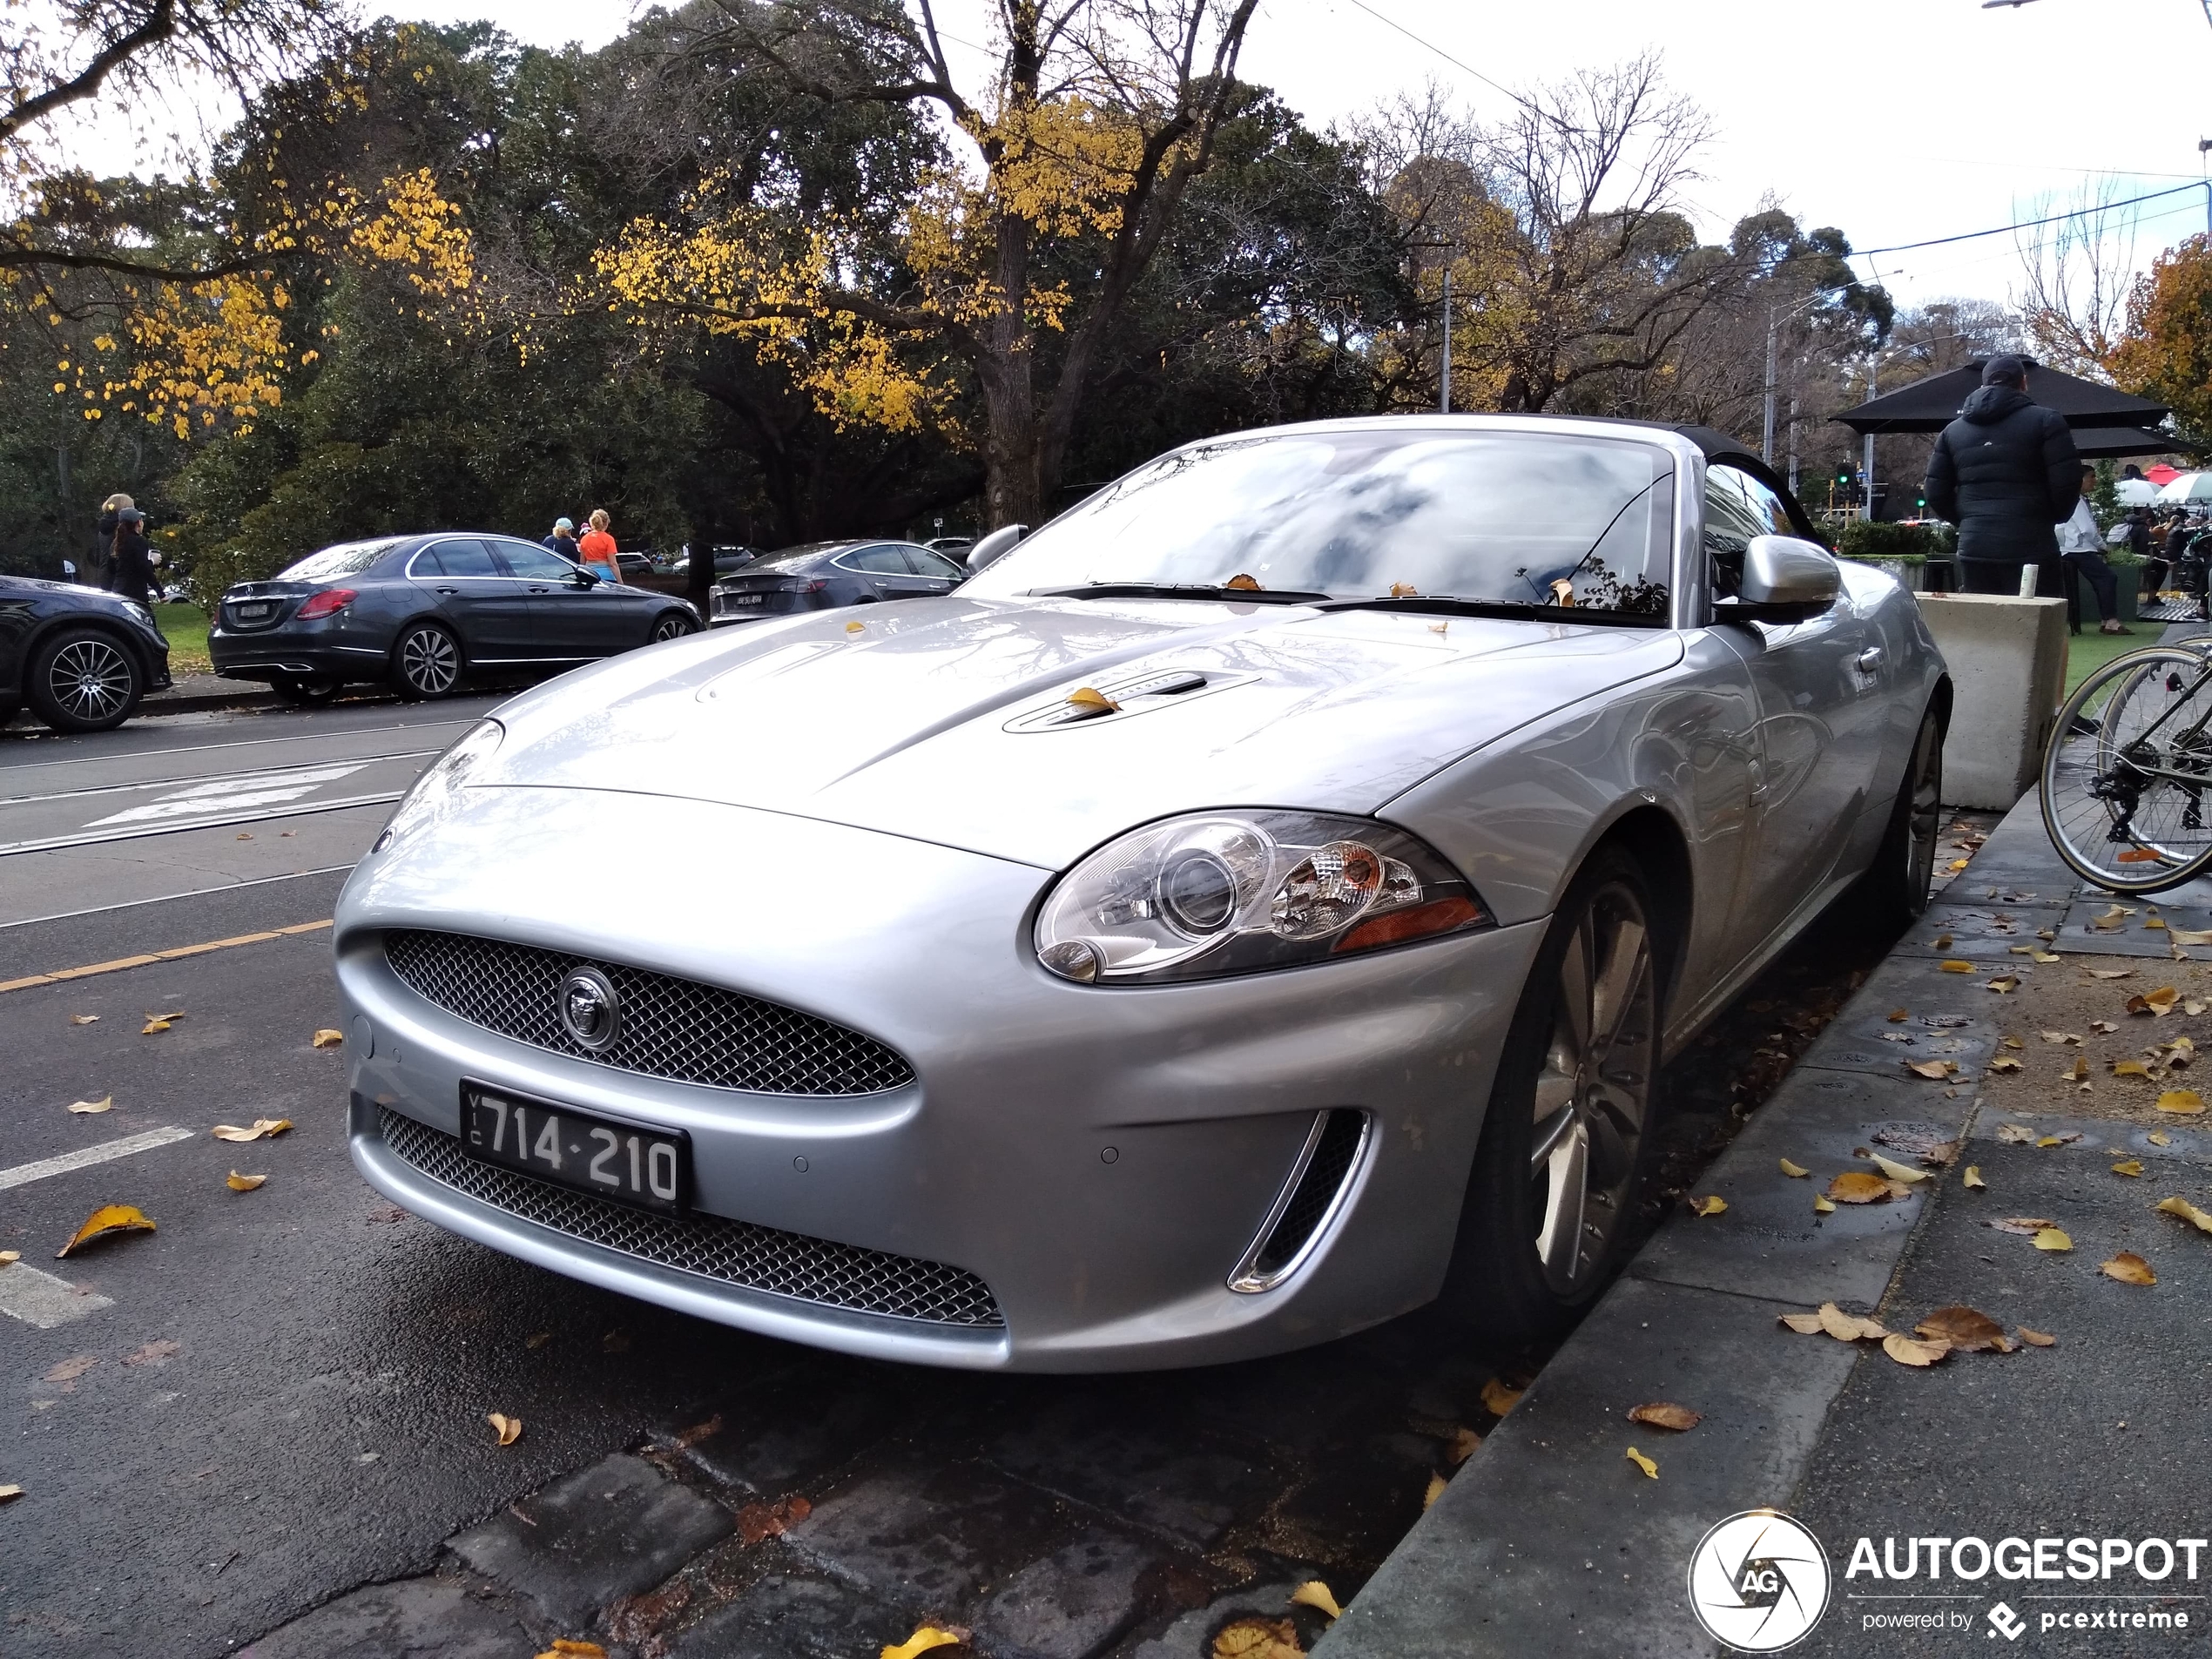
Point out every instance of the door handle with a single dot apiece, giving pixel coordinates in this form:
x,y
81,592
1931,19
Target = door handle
x,y
541,589
1868,660
449,590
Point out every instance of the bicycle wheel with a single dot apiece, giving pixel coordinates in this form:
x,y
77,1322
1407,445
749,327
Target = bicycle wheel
x,y
2128,770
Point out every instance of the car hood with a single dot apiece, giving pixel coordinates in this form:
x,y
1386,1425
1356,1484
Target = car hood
x,y
944,719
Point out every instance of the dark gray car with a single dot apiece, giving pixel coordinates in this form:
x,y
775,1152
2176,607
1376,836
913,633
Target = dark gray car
x,y
419,612
822,575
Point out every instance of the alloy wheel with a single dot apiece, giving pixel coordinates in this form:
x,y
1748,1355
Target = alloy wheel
x,y
90,679
429,662
1594,1090
670,627
1924,826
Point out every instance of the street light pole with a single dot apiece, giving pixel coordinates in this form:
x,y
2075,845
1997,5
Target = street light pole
x,y
1447,337
1766,423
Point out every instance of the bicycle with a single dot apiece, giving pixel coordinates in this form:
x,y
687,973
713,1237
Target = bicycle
x,y
2128,772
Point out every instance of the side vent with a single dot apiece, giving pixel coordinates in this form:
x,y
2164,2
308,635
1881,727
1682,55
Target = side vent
x,y
1311,1194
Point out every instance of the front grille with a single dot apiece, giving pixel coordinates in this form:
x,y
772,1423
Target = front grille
x,y
1316,1178
734,1252
671,1028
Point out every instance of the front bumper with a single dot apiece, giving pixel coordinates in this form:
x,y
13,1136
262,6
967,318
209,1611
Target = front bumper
x,y
1100,1158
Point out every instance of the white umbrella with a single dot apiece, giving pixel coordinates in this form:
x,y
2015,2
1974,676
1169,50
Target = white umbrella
x,y
2189,487
2135,492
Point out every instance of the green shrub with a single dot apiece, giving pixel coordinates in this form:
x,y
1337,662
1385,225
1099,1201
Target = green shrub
x,y
1862,539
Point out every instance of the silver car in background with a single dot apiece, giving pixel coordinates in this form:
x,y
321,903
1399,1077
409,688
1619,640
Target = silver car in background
x,y
1254,908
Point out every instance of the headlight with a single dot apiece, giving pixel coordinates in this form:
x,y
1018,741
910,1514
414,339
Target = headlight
x,y
142,614
436,789
1211,894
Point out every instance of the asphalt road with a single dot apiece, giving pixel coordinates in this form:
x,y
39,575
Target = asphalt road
x,y
280,1395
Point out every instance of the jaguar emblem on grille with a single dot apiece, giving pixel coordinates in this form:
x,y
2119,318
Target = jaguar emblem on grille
x,y
591,1012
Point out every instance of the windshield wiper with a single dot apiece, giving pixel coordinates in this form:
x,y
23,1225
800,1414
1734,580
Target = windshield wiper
x,y
1207,591
1447,605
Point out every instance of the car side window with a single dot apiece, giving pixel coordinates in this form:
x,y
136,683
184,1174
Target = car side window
x,y
534,563
1737,507
876,561
937,565
455,558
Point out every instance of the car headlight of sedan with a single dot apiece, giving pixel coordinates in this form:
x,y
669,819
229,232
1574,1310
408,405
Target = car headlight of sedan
x,y
142,614
436,789
1209,893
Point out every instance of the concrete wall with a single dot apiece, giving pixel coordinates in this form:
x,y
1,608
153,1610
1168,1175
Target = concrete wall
x,y
2007,660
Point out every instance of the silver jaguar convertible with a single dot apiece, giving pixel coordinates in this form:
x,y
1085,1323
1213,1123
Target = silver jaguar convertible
x,y
1255,907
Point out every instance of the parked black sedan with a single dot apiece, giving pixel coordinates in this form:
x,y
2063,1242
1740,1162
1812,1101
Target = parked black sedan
x,y
419,612
79,658
821,576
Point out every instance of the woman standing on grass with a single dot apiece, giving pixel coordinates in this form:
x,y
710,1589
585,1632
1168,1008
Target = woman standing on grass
x,y
131,558
597,549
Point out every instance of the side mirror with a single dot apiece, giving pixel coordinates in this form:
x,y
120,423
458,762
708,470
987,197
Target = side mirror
x,y
583,579
1786,579
996,545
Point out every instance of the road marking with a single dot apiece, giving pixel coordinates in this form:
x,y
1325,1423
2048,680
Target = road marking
x,y
86,1156
139,832
274,774
147,960
41,1299
239,743
227,795
167,898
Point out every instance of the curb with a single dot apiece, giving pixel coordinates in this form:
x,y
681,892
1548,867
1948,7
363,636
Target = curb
x,y
1550,1540
201,702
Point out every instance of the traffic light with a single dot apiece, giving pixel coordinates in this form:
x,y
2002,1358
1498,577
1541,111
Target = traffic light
x,y
1843,477
1920,503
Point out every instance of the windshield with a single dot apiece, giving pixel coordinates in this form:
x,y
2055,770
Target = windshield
x,y
347,558
1501,517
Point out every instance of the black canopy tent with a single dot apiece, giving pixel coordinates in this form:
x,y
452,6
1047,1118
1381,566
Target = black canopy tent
x,y
1932,404
2113,442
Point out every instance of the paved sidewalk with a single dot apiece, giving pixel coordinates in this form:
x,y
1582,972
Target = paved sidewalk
x,y
1551,1539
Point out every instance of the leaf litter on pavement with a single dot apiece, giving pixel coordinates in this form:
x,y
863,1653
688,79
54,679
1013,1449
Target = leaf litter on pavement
x,y
108,1221
269,1126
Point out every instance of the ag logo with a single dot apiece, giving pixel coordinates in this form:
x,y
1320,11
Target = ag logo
x,y
590,1009
1758,1582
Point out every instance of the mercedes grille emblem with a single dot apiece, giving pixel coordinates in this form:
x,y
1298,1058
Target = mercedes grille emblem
x,y
591,1012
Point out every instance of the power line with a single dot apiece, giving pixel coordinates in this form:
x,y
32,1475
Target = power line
x,y
1447,57
2026,224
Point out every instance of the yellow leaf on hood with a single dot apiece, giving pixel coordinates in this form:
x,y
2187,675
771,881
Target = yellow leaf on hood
x,y
88,1106
2128,1268
1821,1206
929,1636
2181,1102
1896,1171
1497,1398
1953,965
327,1038
855,627
1906,1352
509,1429
2038,1338
1711,1204
1968,1330
1848,1327
1857,1186
1243,583
1314,1594
1649,1468
2187,1211
1973,1175
238,1183
106,1221
1794,1170
261,1126
2129,1166
1085,697
1403,591
84,1019
2052,1239
1662,1413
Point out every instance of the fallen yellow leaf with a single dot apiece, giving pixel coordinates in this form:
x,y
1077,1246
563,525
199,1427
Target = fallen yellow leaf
x,y
1968,1330
238,1183
1084,697
2190,935
2004,985
509,1429
2158,1137
327,1038
2129,1166
1941,941
1314,1594
2054,1238
2187,1211
2005,1062
1856,1186
2046,957
2158,1003
1245,1639
1934,1071
1898,1016
1802,1324
2026,1226
152,1026
2128,1268
571,1648
104,1104
1497,1398
923,1639
1794,1170
1649,1468
2181,1102
1821,1206
1906,1352
1435,1490
1848,1327
2114,917
84,1019
1662,1413
1896,1171
1973,1175
1711,1204
854,627
271,1126
2130,1068
1953,965
2038,1338
9,1493
108,1220
8,1256
2079,1072
2112,973
1464,1443
2014,1134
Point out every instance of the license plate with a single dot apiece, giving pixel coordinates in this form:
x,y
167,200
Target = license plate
x,y
648,1168
748,598
252,613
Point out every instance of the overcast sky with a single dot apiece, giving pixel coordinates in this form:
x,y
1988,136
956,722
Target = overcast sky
x,y
1898,120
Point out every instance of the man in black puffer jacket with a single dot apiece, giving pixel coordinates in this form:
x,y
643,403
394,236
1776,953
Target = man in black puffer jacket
x,y
2005,472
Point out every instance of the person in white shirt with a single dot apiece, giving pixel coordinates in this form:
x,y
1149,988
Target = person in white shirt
x,y
2081,550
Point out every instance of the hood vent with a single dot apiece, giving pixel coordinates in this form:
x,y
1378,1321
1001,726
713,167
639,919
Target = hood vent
x,y
1136,694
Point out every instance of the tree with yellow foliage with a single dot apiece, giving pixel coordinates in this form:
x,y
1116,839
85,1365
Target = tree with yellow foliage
x,y
2165,352
1100,115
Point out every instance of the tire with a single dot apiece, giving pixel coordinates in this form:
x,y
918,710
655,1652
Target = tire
x,y
307,693
1567,1148
671,624
2119,788
426,662
1893,894
83,680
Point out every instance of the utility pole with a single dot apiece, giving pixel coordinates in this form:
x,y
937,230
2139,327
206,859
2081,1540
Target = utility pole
x,y
2203,145
1766,424
1447,337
